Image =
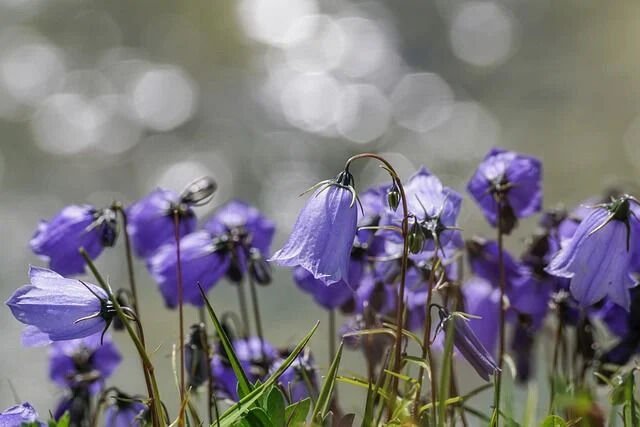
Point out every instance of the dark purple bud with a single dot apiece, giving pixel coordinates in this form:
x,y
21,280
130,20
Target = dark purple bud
x,y
259,268
196,356
468,344
199,192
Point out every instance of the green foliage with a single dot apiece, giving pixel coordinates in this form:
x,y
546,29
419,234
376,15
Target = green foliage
x,y
321,408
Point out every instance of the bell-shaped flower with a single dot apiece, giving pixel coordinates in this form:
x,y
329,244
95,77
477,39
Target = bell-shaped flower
x,y
125,411
203,263
77,226
60,308
508,181
89,361
597,258
151,221
482,300
18,415
467,343
323,234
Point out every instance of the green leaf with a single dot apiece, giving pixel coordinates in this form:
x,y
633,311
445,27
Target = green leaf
x,y
367,418
257,417
62,422
237,410
275,406
553,421
324,398
244,386
296,413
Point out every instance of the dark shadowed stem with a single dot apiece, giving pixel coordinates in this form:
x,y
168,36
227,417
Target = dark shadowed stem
x,y
332,335
397,360
426,348
554,364
256,313
155,404
502,321
205,345
242,303
176,228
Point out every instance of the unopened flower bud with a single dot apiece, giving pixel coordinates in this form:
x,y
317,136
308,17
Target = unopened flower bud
x,y
393,197
416,238
199,191
259,268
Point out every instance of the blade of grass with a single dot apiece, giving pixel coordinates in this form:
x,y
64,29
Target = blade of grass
x,y
244,386
324,398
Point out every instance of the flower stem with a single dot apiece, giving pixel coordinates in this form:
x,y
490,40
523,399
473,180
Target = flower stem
x,y
256,312
155,404
176,228
502,318
397,360
426,347
244,314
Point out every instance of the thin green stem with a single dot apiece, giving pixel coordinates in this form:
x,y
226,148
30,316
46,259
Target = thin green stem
x,y
397,360
155,404
502,313
176,228
426,347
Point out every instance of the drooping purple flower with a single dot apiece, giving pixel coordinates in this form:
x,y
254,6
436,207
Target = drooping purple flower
x,y
481,299
468,344
434,206
77,226
508,181
125,411
86,361
322,237
151,221
202,264
597,258
18,415
60,308
483,260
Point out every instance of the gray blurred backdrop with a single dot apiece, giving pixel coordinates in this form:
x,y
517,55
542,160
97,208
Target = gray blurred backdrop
x,y
107,100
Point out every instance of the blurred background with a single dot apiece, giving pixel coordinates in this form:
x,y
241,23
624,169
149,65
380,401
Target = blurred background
x,y
107,100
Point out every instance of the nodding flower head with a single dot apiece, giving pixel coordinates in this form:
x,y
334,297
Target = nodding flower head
x,y
467,343
597,258
18,415
323,235
58,309
77,226
508,184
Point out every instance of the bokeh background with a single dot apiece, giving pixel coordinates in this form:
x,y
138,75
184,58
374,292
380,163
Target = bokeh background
x,y
107,100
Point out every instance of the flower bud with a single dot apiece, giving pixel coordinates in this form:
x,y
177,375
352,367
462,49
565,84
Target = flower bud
x,y
199,191
393,197
259,268
416,238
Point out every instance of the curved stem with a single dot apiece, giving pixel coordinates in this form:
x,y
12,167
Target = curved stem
x,y
155,404
176,228
127,245
397,362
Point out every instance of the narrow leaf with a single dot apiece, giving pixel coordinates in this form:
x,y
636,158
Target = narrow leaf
x,y
324,398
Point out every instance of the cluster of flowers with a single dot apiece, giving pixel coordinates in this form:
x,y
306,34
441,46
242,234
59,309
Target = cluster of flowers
x,y
351,251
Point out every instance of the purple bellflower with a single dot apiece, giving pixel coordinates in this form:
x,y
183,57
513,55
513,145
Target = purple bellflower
x,y
597,258
87,361
510,182
125,411
59,309
435,209
234,241
77,226
151,221
481,299
18,415
468,344
323,234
